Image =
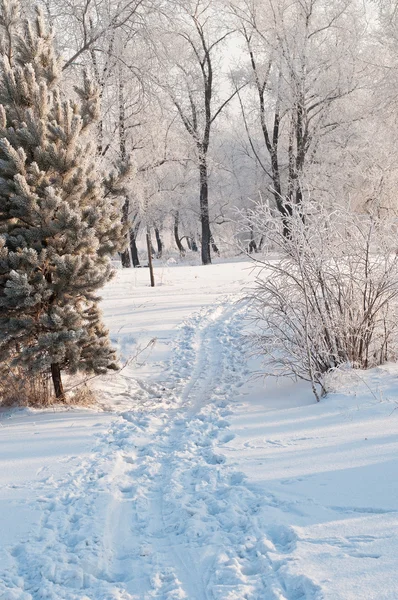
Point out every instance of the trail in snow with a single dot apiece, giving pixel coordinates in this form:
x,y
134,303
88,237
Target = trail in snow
x,y
200,484
155,512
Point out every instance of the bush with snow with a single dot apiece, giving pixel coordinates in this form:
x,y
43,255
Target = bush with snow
x,y
326,293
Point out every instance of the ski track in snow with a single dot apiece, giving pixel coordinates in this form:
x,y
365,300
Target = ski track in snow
x,y
155,512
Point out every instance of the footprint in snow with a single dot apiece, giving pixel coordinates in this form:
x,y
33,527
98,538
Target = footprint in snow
x,y
227,437
127,489
361,539
214,459
283,538
237,478
293,480
129,460
357,554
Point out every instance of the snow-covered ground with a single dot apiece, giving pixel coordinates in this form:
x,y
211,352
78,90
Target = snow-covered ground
x,y
200,482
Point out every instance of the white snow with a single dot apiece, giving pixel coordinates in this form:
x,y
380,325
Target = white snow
x,y
201,482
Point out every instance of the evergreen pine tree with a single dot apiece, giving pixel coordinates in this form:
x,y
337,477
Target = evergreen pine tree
x,y
58,227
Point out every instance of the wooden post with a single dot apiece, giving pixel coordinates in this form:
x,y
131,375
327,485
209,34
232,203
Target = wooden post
x,y
150,264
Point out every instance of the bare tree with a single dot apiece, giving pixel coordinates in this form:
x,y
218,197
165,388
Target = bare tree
x,y
302,59
195,85
84,26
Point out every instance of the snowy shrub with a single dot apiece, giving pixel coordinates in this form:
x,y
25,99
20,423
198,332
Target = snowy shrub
x,y
329,295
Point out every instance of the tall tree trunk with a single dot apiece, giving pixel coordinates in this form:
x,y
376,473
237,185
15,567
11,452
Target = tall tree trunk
x,y
125,255
133,248
252,243
101,80
125,259
204,211
214,245
100,137
122,120
302,146
271,139
57,381
159,243
150,263
177,234
194,246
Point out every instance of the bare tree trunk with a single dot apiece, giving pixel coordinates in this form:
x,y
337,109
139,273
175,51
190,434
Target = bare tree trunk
x,y
201,133
133,248
150,264
57,381
177,234
125,259
214,245
204,212
125,255
252,244
159,243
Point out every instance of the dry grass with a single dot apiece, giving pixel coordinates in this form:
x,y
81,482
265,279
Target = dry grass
x,y
21,388
82,396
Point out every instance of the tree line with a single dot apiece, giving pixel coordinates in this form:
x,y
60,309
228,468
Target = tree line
x,y
216,102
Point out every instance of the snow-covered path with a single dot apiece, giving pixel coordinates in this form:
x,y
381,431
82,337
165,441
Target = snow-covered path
x,y
156,512
200,484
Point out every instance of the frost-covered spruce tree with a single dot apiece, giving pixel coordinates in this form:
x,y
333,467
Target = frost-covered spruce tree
x,y
58,227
